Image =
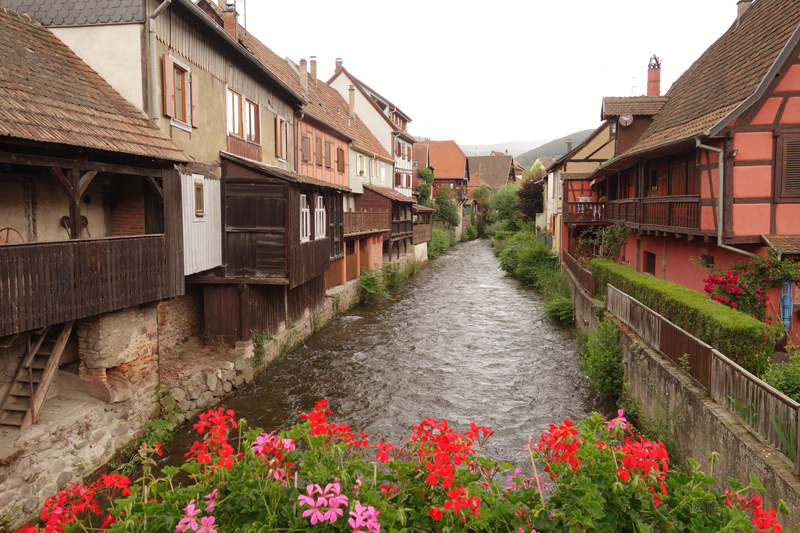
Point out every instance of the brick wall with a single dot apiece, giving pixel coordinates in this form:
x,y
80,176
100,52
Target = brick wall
x,y
180,317
127,214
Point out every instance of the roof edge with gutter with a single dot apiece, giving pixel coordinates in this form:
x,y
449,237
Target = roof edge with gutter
x,y
358,85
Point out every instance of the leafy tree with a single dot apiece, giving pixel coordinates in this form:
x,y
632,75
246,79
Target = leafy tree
x,y
504,201
531,198
425,174
482,195
446,210
424,191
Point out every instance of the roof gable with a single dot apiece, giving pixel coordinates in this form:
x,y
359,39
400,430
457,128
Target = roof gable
x,y
494,170
447,159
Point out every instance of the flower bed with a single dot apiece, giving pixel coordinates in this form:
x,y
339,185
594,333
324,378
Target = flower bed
x,y
321,476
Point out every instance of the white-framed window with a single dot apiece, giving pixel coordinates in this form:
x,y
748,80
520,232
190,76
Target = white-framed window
x,y
305,219
383,171
360,167
320,223
281,138
199,197
242,117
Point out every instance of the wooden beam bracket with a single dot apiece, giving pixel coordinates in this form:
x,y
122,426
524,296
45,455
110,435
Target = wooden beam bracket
x,y
86,179
155,185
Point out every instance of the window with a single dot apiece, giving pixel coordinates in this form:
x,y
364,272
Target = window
x,y
414,165
306,149
251,121
181,94
408,153
340,159
788,168
319,151
281,139
652,179
650,263
383,171
242,117
320,223
305,219
398,151
328,155
360,167
397,179
199,198
234,114
706,260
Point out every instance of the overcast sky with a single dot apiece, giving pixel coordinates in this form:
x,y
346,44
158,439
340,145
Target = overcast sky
x,y
495,71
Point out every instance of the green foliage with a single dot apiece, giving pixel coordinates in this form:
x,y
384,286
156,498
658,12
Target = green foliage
x,y
424,191
601,359
786,377
744,339
392,275
504,202
425,174
602,241
157,431
472,233
372,283
482,195
440,242
446,208
787,433
531,198
260,339
412,268
481,229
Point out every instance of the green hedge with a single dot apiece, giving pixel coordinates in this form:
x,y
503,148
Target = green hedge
x,y
744,339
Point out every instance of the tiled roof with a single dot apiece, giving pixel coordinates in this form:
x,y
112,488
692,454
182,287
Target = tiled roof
x,y
726,74
279,172
423,209
391,194
614,106
79,12
492,169
419,153
785,244
446,158
48,94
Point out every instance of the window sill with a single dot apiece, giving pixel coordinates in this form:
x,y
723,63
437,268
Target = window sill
x,y
180,125
199,218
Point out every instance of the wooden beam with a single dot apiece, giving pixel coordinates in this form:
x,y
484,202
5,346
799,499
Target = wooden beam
x,y
64,181
706,238
45,161
86,179
691,238
236,280
75,228
154,183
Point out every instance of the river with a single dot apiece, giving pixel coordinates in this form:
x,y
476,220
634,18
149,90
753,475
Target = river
x,y
461,341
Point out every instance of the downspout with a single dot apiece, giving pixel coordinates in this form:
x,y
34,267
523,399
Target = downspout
x,y
720,195
151,24
297,141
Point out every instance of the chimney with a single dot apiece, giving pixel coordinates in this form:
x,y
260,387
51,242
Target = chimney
x,y
569,145
352,102
338,64
506,152
229,17
743,6
303,75
314,70
654,77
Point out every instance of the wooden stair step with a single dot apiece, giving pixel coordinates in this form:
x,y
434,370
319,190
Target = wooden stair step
x,y
21,406
39,363
36,377
14,419
24,392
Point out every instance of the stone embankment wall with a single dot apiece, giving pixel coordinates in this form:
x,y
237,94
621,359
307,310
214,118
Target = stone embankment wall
x,y
701,426
99,408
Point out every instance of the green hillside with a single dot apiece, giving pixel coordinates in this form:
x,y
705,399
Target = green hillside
x,y
557,147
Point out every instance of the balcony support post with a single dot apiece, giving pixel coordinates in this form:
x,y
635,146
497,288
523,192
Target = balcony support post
x,y
75,229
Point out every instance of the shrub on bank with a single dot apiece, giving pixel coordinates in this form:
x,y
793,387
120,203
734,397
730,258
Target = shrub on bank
x,y
601,359
372,283
439,243
322,476
744,339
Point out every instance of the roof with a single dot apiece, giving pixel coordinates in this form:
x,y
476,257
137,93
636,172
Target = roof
x,y
446,158
545,161
568,155
423,209
491,169
783,244
726,75
279,172
419,153
614,106
74,13
391,194
372,91
48,94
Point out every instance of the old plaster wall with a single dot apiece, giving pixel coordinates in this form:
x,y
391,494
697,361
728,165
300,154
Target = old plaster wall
x,y
180,317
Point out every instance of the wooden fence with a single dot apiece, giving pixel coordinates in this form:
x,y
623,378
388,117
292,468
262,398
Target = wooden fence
x,y
52,282
584,277
760,406
361,222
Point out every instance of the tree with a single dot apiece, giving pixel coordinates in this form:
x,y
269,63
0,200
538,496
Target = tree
x,y
531,198
482,195
504,201
425,174
446,210
424,191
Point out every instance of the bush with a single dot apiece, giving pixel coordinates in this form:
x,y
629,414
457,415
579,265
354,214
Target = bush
x,y
439,243
392,275
786,377
601,359
744,339
372,283
472,233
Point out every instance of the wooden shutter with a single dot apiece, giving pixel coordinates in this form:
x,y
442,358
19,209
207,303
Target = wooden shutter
x,y
169,87
195,88
306,149
340,159
278,140
791,167
319,151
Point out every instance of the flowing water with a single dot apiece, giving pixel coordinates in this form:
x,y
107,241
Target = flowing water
x,y
461,341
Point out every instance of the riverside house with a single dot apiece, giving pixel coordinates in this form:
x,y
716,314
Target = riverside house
x,y
451,171
714,175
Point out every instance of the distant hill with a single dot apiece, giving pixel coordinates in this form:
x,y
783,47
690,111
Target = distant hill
x,y
514,147
557,147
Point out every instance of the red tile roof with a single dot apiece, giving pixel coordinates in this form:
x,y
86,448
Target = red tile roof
x,y
390,194
785,244
493,170
614,106
725,75
446,158
48,94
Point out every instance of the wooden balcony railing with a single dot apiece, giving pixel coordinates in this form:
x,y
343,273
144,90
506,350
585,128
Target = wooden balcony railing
x,y
584,212
422,233
362,222
584,277
662,211
52,282
402,229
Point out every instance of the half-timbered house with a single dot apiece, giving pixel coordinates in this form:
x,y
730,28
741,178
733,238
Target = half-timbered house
x,y
451,171
90,217
714,175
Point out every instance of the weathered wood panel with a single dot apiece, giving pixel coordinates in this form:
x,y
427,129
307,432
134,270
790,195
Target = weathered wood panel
x,y
584,277
308,260
687,351
48,283
334,276
222,313
352,266
334,204
267,308
422,233
309,295
363,222
173,233
202,235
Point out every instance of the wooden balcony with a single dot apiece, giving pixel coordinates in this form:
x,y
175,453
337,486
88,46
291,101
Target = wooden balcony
x,y
584,212
422,233
402,229
661,212
52,282
365,222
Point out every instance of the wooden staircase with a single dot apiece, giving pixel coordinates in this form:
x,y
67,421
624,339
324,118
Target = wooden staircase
x,y
23,402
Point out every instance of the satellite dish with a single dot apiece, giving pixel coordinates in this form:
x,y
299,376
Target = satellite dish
x,y
625,120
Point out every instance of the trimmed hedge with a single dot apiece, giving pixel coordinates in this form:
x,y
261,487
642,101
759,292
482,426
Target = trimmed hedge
x,y
743,338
